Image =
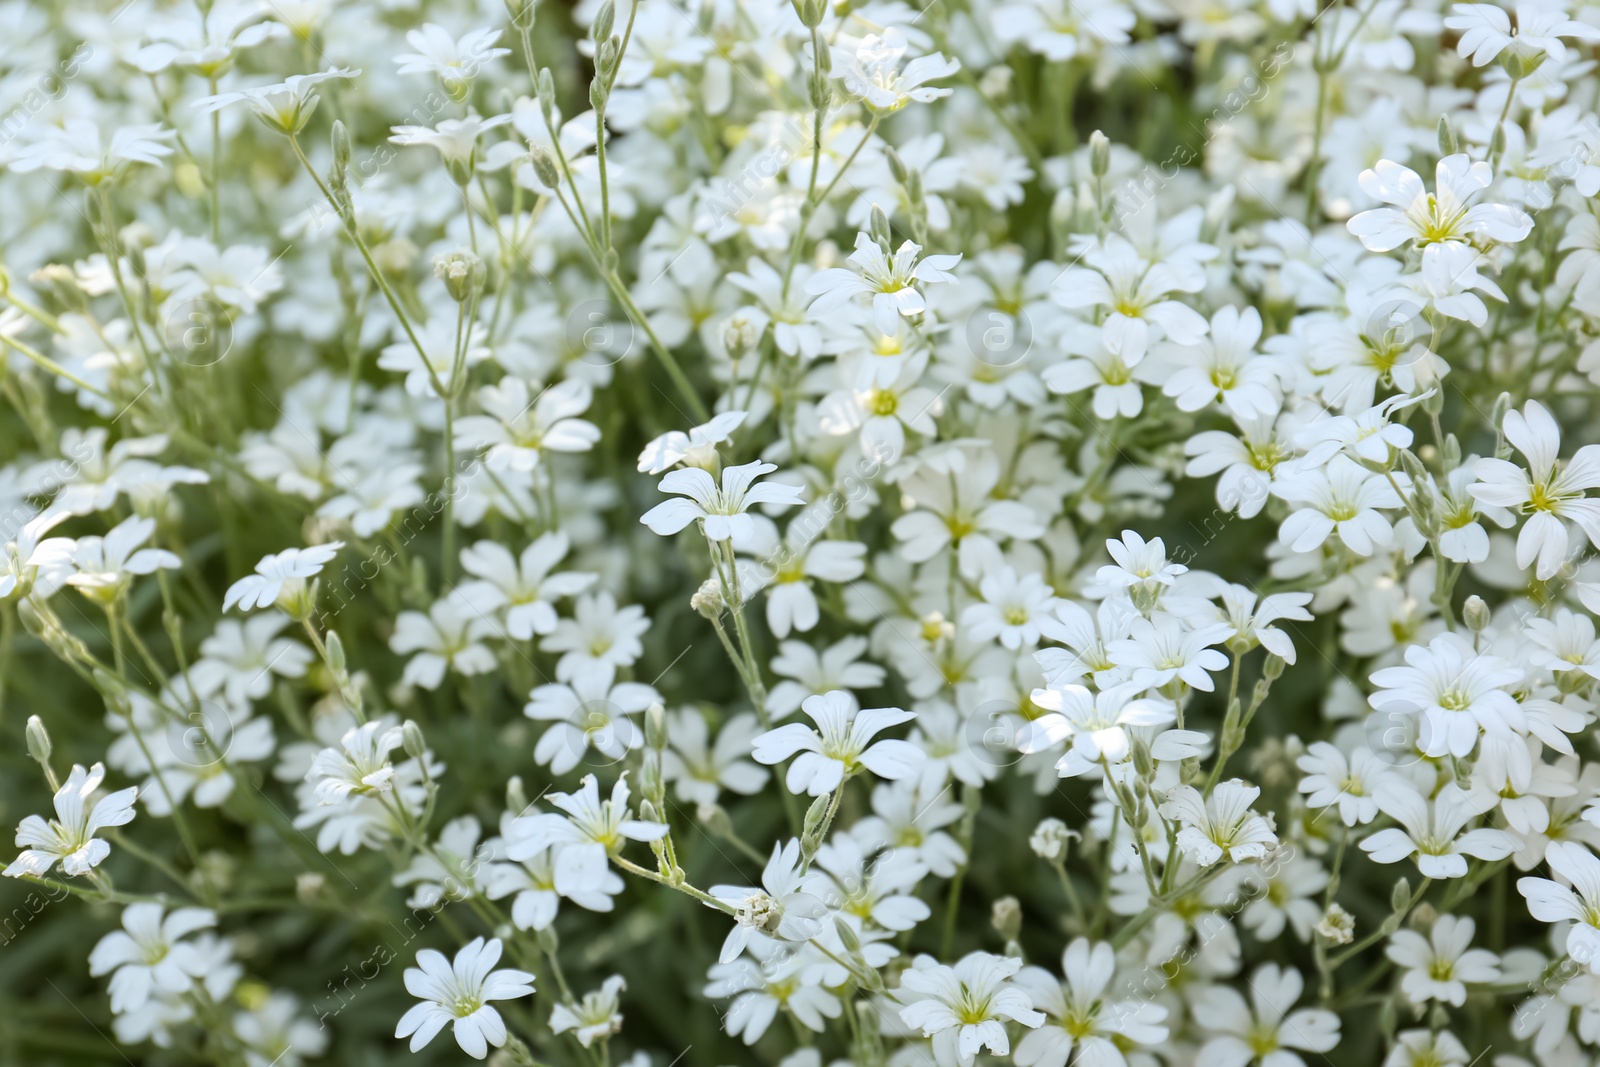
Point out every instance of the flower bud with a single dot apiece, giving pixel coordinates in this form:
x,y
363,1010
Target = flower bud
x,y
1475,613
341,150
603,21
1099,154
1448,145
413,741
39,746
335,646
847,936
545,87
879,228
516,798
810,12
544,167
655,727
707,600
521,13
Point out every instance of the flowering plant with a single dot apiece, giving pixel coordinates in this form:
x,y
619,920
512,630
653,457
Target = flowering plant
x,y
889,533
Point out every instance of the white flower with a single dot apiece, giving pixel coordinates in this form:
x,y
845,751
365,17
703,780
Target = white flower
x,y
242,658
285,106
458,992
1011,609
518,429
1432,832
592,829
148,955
594,1018
359,765
965,1008
589,711
1457,692
1548,492
1439,966
1096,723
871,72
1262,1030
891,281
840,745
449,636
78,147
1552,902
1342,497
456,140
455,60
106,566
698,447
281,579
70,838
521,586
1332,779
700,770
1219,825
719,509
1082,1018
1486,32
1225,369
781,908
1160,651
1446,214
1109,359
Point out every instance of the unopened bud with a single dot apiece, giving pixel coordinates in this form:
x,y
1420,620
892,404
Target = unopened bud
x,y
547,93
1475,613
897,166
603,21
707,600
1099,154
879,227
544,167
655,727
412,740
341,149
521,13
335,646
39,746
516,798
847,936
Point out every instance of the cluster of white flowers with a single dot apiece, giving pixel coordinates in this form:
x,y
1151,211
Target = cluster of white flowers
x,y
773,507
